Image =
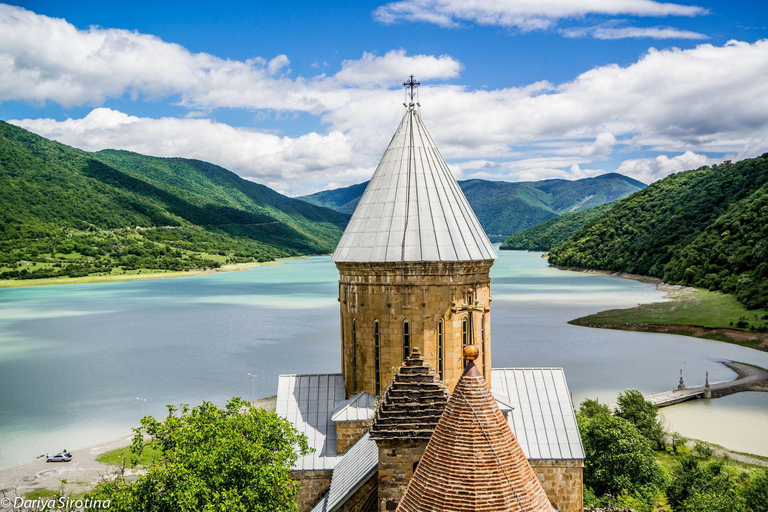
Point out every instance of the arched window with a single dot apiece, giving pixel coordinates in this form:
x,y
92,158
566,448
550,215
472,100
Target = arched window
x,y
406,339
376,355
354,354
440,348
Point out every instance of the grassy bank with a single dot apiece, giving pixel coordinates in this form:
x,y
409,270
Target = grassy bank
x,y
690,312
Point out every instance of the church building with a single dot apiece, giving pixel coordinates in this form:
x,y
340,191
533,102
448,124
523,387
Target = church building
x,y
415,303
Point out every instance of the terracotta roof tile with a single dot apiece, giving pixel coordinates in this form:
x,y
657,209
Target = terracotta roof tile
x,y
473,461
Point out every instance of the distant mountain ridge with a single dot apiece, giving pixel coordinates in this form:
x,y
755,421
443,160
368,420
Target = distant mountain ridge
x,y
706,228
71,212
504,208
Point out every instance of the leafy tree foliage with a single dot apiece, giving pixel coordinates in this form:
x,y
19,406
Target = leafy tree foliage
x,y
619,459
633,407
590,408
236,458
706,227
67,212
705,488
755,492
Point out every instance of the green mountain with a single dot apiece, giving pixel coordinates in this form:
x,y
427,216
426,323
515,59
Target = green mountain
x,y
554,232
504,208
706,227
71,212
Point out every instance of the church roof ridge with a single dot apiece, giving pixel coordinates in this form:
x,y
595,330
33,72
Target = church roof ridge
x,y
473,462
413,208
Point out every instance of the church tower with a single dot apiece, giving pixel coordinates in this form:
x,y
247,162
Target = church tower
x,y
414,267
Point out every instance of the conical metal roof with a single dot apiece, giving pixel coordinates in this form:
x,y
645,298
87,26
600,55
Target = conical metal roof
x,y
413,208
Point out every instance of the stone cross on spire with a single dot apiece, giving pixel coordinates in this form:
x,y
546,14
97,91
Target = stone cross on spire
x,y
411,83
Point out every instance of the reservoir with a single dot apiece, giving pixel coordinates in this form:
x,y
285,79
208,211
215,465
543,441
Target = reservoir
x,y
75,358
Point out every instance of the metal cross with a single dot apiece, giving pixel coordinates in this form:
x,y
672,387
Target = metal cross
x,y
471,307
411,83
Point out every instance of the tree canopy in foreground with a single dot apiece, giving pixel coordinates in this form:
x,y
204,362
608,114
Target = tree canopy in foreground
x,y
236,458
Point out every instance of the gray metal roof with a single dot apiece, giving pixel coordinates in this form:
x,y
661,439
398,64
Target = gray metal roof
x,y
308,402
358,407
543,419
413,208
357,465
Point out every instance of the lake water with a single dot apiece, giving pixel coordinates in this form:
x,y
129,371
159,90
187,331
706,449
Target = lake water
x,y
74,358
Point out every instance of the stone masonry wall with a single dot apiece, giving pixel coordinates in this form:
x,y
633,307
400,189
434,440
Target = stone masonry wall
x,y
562,481
421,293
365,499
348,432
313,485
397,460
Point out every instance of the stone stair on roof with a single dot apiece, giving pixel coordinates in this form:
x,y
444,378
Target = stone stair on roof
x,y
413,403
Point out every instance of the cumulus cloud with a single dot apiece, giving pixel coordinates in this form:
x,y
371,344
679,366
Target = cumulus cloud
x,y
649,170
388,69
522,15
48,59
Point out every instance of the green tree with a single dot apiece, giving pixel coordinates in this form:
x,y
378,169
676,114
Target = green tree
x,y
755,492
634,408
590,408
694,486
619,459
237,458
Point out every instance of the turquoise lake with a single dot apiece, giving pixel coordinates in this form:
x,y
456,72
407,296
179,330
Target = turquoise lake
x,y
74,358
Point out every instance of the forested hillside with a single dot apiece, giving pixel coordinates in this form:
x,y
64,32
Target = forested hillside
x,y
554,232
706,227
504,208
67,212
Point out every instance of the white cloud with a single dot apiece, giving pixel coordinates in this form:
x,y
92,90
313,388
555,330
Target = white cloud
x,y
389,69
602,145
48,59
649,170
609,31
524,15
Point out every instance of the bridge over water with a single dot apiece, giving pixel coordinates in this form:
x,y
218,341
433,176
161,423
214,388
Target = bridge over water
x,y
749,378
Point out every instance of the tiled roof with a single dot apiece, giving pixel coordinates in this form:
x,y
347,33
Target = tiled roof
x,y
412,404
308,402
413,208
358,407
355,468
473,462
542,417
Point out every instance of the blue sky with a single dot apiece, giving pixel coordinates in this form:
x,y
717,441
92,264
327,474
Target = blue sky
x,y
304,95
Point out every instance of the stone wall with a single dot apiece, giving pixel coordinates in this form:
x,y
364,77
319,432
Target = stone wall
x,y
421,293
364,499
563,482
397,461
313,485
348,432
